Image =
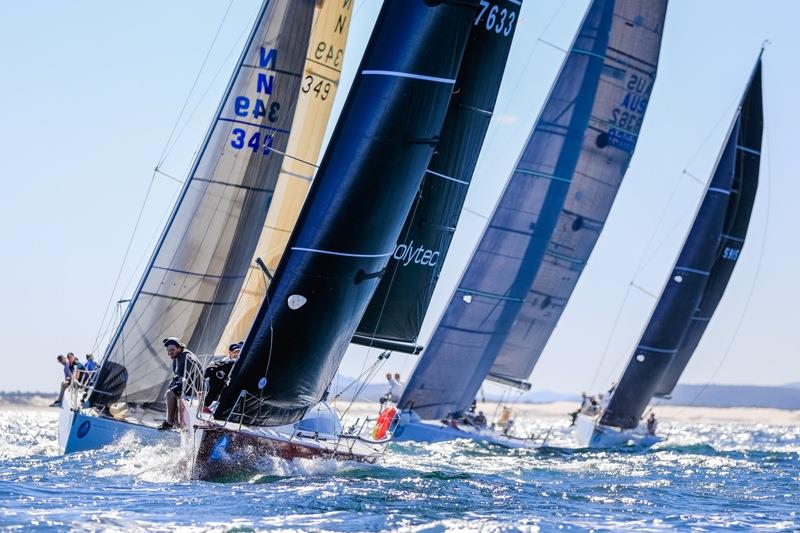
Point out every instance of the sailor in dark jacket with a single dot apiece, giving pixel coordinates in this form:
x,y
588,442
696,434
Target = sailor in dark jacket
x,y
217,373
178,353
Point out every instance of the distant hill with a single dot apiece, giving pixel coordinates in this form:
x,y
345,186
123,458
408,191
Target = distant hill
x,y
778,397
784,397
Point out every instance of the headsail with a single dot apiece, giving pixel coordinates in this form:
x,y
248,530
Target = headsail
x,y
321,75
550,215
199,264
395,314
350,222
740,206
681,300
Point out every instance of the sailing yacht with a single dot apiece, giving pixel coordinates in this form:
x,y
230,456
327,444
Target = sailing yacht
x,y
347,230
239,201
543,229
693,290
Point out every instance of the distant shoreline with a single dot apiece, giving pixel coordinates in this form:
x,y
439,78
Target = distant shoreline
x,y
558,410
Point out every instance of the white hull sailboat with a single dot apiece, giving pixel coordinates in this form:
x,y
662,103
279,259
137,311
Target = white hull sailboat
x,y
691,294
591,434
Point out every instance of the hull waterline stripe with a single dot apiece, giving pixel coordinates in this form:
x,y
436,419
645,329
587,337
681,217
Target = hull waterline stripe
x,y
462,182
407,75
342,254
692,270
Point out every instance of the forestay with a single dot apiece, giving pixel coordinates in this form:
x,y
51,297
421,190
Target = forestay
x,y
550,214
196,272
740,206
355,209
679,298
395,314
321,75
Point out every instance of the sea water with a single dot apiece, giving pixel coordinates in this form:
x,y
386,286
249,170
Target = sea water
x,y
705,476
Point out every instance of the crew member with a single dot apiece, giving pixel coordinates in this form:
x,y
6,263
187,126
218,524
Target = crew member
x,y
178,353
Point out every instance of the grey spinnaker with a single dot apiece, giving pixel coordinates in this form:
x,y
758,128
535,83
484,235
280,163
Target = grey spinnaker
x,y
705,256
196,272
395,314
740,207
356,207
550,214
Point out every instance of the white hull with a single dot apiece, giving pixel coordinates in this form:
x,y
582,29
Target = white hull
x,y
411,428
591,434
82,430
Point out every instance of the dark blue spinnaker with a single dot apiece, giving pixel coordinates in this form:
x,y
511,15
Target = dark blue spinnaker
x,y
356,207
395,314
550,214
701,272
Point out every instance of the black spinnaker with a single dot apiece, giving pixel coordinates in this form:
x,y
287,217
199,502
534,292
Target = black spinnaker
x,y
395,314
701,272
351,220
550,214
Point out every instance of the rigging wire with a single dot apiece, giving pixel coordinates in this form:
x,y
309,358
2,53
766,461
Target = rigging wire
x,y
759,264
649,253
100,331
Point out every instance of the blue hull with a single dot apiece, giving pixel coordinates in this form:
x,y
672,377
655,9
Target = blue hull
x,y
79,432
434,431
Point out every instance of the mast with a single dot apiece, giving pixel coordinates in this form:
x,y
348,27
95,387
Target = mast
x,y
550,214
198,266
395,314
323,66
737,221
351,220
682,297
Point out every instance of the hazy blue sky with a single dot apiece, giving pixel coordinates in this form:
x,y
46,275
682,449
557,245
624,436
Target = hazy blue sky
x,y
91,90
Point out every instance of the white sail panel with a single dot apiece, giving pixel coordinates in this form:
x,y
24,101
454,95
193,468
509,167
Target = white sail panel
x,y
199,265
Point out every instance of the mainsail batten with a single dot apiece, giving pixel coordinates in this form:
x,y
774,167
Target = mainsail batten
x,y
198,266
354,212
550,214
394,316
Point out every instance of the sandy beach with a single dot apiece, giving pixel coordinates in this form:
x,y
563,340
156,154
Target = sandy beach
x,y
548,411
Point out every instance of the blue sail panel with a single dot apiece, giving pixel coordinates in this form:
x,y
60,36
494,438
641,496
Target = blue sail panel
x,y
529,257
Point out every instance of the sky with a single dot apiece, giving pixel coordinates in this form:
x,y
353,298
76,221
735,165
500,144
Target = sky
x,y
93,89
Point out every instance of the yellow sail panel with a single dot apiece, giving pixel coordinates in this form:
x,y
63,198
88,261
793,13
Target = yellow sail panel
x,y
320,80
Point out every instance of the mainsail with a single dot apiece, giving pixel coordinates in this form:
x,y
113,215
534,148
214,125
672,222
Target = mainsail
x,y
321,75
351,220
395,314
550,214
701,260
196,272
740,206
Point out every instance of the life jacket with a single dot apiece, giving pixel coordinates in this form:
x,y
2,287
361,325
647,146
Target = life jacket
x,y
384,421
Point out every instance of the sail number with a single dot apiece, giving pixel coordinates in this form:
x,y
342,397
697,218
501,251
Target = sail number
x,y
327,53
321,88
255,142
501,20
731,254
242,108
628,115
